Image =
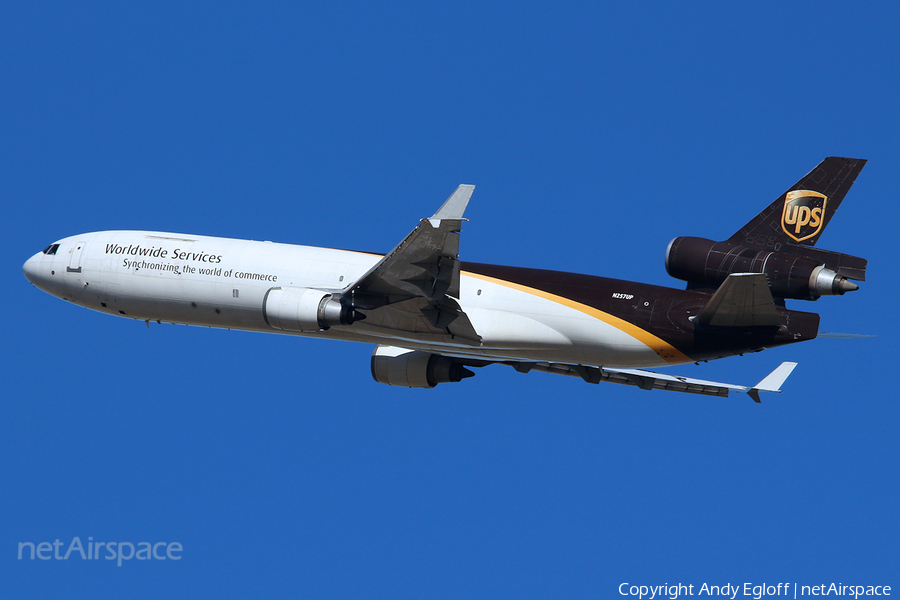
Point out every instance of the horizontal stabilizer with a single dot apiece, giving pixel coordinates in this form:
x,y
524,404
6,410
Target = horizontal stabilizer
x,y
843,336
743,300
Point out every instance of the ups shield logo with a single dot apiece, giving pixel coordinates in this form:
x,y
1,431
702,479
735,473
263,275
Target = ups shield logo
x,y
803,214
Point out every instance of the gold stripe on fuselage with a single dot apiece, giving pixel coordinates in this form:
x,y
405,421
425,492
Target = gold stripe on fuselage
x,y
665,350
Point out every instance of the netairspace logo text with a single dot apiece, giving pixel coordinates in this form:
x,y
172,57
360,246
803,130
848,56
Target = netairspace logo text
x,y
756,591
110,550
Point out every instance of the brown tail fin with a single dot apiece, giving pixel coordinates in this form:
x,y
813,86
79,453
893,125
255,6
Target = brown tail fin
x,y
801,214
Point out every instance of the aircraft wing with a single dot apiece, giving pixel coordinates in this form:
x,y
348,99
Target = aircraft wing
x,y
415,287
649,380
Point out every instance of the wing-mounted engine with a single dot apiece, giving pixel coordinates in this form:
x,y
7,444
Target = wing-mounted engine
x,y
779,242
414,289
305,309
413,368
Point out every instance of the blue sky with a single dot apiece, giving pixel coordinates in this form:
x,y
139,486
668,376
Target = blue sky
x,y
595,134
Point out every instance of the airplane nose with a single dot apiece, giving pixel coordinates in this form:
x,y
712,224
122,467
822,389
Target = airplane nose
x,y
31,266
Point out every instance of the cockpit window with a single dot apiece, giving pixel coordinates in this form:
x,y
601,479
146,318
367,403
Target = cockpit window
x,y
51,249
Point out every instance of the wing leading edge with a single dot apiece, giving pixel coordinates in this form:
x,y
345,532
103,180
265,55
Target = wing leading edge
x,y
648,380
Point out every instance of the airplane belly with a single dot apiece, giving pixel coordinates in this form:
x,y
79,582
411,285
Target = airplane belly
x,y
503,329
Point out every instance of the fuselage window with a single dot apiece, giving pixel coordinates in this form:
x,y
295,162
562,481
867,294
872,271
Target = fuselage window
x,y
51,249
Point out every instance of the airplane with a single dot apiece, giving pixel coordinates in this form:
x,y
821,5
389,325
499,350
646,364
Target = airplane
x,y
433,318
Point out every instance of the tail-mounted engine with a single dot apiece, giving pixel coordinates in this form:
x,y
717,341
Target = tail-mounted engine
x,y
305,309
414,368
779,241
799,272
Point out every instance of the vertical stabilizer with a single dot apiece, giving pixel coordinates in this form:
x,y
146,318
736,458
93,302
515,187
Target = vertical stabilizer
x,y
801,214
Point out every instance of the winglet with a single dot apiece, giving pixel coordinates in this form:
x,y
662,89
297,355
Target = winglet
x,y
455,205
773,381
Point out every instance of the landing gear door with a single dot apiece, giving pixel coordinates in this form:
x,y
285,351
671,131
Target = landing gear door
x,y
75,258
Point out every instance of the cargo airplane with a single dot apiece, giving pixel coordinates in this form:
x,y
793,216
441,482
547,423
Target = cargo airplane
x,y
432,317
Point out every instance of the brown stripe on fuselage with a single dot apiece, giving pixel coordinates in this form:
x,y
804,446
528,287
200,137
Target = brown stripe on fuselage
x,y
657,316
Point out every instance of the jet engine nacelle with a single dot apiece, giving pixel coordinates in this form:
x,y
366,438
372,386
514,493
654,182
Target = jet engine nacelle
x,y
414,368
305,309
705,262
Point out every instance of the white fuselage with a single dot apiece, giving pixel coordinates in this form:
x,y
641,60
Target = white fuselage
x,y
220,282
